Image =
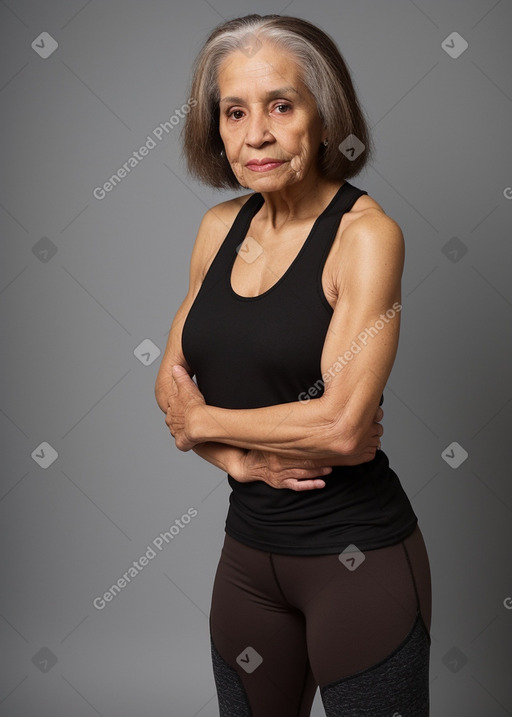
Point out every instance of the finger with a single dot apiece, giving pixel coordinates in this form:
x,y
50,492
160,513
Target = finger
x,y
183,380
300,485
378,430
179,373
379,414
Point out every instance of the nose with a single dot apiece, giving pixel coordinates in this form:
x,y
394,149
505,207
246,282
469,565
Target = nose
x,y
257,129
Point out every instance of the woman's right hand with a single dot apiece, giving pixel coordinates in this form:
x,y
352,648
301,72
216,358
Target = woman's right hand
x,y
279,471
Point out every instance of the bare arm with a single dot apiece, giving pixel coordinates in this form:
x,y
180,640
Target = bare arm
x,y
357,358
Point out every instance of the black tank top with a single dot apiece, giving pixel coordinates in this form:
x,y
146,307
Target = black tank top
x,y
248,352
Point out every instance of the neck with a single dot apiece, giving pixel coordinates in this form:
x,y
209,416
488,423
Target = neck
x,y
295,202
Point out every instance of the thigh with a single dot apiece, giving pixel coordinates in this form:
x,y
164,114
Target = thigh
x,y
259,648
386,641
355,618
397,685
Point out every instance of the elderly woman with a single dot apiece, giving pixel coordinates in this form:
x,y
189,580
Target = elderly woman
x,y
291,326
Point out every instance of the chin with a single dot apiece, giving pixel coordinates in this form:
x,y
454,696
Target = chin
x,y
267,184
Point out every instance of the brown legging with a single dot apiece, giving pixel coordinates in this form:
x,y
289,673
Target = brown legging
x,y
283,625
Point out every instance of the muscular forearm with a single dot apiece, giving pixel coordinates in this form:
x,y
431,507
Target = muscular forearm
x,y
324,429
301,430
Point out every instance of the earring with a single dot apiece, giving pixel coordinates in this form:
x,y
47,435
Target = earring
x,y
222,153
326,142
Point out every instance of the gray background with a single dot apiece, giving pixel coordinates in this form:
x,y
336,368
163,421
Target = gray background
x,y
85,281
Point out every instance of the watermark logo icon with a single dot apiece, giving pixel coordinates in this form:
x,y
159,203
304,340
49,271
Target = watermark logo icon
x,y
351,147
147,352
44,249
351,557
454,45
454,659
454,249
249,659
454,454
250,44
44,660
44,455
249,249
44,45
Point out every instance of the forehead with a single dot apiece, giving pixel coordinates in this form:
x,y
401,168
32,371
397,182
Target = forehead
x,y
268,68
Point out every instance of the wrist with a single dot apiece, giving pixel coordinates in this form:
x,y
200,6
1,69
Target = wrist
x,y
193,424
200,426
204,425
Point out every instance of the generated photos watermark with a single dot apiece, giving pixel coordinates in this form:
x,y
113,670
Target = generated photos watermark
x,y
136,567
356,346
161,131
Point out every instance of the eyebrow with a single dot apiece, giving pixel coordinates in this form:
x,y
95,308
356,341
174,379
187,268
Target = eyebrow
x,y
270,95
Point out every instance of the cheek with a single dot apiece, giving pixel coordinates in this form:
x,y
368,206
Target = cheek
x,y
300,145
230,133
233,144
303,154
238,170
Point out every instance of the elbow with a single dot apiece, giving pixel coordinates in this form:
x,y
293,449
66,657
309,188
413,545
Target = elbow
x,y
348,426
345,433
161,397
354,441
344,439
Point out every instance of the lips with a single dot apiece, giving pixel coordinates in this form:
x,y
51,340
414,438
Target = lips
x,y
264,165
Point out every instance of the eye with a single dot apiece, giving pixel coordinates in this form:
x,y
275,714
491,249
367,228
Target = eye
x,y
230,114
282,106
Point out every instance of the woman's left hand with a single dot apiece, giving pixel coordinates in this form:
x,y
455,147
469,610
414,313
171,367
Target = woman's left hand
x,y
184,397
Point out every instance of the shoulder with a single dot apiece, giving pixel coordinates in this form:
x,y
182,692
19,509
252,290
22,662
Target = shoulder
x,y
370,234
368,219
368,251
215,224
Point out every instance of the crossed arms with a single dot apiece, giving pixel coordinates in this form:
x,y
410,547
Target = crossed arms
x,y
293,444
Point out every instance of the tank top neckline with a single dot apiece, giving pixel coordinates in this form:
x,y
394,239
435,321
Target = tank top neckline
x,y
245,228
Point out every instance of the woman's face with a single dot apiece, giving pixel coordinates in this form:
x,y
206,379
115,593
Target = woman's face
x,y
266,112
